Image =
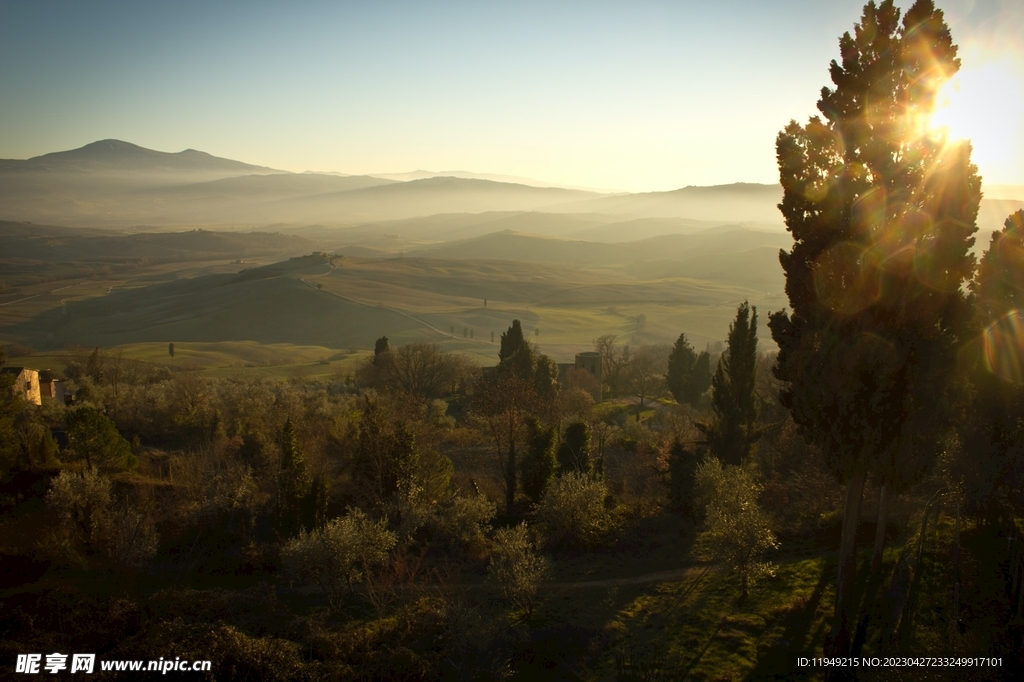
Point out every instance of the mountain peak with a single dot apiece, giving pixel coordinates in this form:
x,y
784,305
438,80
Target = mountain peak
x,y
118,155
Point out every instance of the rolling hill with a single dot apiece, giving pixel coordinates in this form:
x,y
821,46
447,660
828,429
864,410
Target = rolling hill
x,y
268,305
736,203
509,245
33,253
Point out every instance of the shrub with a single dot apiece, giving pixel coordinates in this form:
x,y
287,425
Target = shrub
x,y
462,521
81,501
572,512
235,655
336,558
517,568
90,522
736,531
133,538
220,494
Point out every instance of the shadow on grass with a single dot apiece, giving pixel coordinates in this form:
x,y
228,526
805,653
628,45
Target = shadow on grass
x,y
700,654
780,661
551,654
871,607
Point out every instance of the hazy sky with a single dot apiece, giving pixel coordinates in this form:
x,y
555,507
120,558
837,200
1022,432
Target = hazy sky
x,y
625,95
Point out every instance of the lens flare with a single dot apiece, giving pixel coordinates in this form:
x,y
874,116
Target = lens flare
x,y
869,213
1004,347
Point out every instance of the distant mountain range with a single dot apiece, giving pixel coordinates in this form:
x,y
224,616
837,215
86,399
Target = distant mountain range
x,y
494,177
115,184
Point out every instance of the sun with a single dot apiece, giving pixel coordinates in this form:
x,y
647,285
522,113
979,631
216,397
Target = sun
x,y
985,105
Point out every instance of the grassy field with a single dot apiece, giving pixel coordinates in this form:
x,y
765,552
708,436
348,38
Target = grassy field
x,y
569,307
347,304
223,359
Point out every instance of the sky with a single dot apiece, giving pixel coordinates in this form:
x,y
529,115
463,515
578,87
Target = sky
x,y
632,95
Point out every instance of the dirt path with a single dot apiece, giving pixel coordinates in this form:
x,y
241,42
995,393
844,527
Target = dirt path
x,y
649,404
45,293
22,299
674,575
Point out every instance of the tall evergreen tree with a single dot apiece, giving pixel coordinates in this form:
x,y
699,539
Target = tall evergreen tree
x,y
574,452
881,212
380,347
732,432
545,377
386,459
988,475
689,373
293,483
999,282
681,475
539,463
515,354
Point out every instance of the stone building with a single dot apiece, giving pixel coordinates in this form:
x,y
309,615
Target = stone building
x,y
26,384
590,361
50,387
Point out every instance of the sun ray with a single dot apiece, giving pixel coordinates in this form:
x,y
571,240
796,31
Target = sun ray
x,y
985,105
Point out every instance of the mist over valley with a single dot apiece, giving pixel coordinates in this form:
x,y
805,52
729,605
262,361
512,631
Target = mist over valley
x,y
113,245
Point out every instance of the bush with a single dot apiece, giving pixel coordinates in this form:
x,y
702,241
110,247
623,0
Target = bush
x,y
219,494
133,538
572,512
89,521
736,531
462,521
81,501
516,567
336,558
235,655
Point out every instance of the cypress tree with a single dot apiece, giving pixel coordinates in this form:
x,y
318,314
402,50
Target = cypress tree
x,y
881,212
732,432
689,373
386,459
515,354
379,348
294,483
682,472
574,452
539,464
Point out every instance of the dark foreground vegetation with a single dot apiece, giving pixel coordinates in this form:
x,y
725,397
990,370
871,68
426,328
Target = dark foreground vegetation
x,y
429,520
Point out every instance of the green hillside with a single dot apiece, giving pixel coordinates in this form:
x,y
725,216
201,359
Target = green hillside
x,y
277,308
